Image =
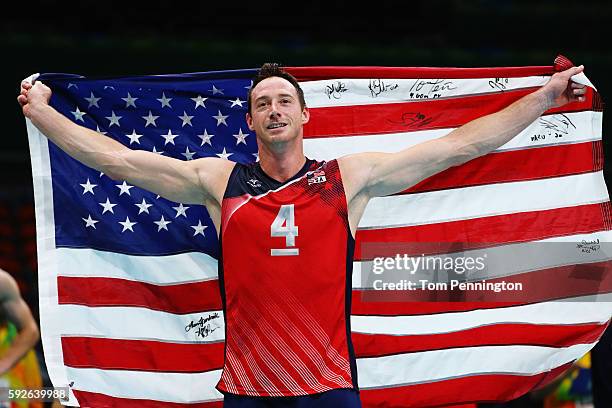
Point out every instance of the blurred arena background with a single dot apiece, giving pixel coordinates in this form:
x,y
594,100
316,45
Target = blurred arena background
x,y
127,38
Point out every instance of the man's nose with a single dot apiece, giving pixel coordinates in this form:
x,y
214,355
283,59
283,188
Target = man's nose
x,y
274,114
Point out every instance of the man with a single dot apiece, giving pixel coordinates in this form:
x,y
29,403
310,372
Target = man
x,y
291,221
14,310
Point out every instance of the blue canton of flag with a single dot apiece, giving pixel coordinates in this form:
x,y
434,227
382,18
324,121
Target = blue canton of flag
x,y
181,116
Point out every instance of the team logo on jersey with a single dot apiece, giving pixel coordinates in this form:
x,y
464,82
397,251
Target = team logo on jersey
x,y
254,183
316,177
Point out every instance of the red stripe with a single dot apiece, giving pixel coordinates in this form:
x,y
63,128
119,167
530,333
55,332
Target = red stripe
x,y
477,388
478,232
144,355
96,400
376,345
537,286
321,73
501,167
413,116
182,298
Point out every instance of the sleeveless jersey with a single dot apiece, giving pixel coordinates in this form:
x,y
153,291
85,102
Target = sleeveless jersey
x,y
285,278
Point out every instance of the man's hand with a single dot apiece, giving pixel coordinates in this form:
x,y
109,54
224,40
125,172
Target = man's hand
x,y
560,89
32,95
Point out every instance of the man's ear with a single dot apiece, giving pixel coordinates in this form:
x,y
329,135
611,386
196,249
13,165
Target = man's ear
x,y
249,121
305,115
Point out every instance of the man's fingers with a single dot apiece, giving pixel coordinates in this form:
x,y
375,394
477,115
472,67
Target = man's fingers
x,y
26,85
580,91
570,72
22,100
577,70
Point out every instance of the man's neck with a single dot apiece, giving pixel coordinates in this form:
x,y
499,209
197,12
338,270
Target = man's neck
x,y
281,167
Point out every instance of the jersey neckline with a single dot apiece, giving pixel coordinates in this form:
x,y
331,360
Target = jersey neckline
x,y
272,181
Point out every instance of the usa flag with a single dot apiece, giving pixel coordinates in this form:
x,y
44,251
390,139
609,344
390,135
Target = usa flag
x,y
129,297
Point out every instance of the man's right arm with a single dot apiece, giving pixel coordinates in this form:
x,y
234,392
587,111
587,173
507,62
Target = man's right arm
x,y
18,313
189,182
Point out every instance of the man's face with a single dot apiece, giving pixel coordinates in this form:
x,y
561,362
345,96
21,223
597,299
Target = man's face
x,y
276,115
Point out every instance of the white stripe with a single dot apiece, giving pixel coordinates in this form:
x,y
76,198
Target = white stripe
x,y
161,270
136,323
167,387
498,262
587,128
486,200
142,324
52,321
357,91
564,313
414,368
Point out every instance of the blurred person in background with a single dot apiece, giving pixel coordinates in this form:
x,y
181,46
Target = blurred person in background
x,y
601,371
18,336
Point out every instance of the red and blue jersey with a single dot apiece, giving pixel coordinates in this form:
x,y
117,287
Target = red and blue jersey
x,y
285,277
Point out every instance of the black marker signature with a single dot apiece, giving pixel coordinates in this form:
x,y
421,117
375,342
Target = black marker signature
x,y
335,90
588,246
378,86
413,119
430,89
557,123
555,126
203,328
205,331
499,83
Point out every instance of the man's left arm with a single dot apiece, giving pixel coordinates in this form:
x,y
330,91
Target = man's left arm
x,y
18,313
369,175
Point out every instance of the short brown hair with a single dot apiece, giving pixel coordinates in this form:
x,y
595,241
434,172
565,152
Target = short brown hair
x,y
273,69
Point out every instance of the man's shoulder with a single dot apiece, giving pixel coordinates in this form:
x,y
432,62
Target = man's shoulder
x,y
8,286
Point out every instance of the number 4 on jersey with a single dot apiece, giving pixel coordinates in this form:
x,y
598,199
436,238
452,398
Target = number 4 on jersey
x,y
284,226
